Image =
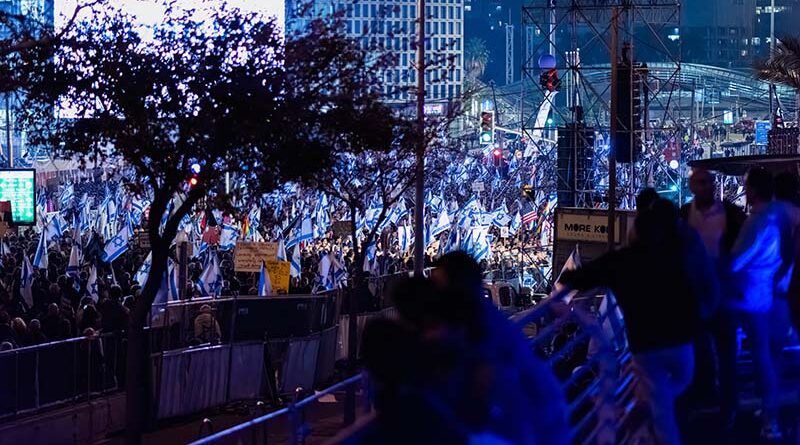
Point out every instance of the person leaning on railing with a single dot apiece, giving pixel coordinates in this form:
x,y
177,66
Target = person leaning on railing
x,y
663,282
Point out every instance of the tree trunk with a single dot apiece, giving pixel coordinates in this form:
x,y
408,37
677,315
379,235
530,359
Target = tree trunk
x,y
138,383
139,389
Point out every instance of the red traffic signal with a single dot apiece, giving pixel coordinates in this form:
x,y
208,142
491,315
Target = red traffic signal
x,y
549,80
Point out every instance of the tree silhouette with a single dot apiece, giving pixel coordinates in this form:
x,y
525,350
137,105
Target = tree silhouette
x,y
225,93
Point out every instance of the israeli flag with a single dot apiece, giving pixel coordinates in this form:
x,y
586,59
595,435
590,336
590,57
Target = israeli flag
x,y
324,270
516,223
84,202
144,271
442,223
404,236
84,219
500,217
228,237
56,227
67,196
281,250
91,285
339,271
26,281
306,230
117,245
40,259
111,214
264,283
454,241
4,248
295,268
210,282
138,207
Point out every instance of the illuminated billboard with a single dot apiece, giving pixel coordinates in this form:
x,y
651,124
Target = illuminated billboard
x,y
19,187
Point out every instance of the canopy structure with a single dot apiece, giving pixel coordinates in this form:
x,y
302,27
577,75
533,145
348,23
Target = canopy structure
x,y
738,165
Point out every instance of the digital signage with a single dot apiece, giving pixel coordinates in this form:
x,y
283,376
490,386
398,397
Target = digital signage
x,y
19,187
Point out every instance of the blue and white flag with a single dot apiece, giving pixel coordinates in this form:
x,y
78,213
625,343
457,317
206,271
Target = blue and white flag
x,y
264,283
325,273
339,271
40,259
84,202
26,281
295,269
454,241
73,268
117,245
516,223
56,227
67,196
228,236
441,224
210,282
281,255
306,230
404,238
138,206
144,270
91,285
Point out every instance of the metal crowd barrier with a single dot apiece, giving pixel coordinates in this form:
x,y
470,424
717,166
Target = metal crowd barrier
x,y
332,409
583,341
59,373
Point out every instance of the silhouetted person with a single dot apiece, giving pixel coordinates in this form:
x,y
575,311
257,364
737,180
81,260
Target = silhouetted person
x,y
662,283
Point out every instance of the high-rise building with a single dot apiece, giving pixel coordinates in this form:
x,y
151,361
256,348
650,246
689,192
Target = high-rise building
x,y
787,15
718,32
391,25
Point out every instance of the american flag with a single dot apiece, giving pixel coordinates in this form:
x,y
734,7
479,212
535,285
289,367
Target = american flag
x,y
528,213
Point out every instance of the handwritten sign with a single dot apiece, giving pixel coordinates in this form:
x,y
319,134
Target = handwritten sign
x,y
248,255
279,276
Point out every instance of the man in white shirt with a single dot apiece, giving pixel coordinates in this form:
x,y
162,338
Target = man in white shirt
x,y
717,223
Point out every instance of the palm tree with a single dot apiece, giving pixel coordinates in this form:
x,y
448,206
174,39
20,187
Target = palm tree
x,y
476,57
783,67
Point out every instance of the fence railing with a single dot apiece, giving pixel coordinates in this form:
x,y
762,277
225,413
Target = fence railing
x,y
583,341
334,408
68,371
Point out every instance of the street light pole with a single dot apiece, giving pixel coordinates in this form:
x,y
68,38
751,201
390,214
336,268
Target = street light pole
x,y
419,204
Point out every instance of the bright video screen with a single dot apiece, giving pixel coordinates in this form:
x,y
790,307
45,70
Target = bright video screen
x,y
19,187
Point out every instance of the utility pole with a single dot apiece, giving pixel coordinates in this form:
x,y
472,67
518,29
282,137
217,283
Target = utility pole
x,y
419,204
612,156
8,132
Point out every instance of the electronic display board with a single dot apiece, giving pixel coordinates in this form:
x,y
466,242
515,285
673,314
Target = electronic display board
x,y
19,187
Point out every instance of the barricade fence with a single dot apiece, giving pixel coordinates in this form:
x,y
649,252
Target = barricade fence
x,y
325,412
583,341
203,354
74,370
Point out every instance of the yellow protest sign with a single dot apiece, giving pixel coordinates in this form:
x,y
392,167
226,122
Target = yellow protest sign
x,y
248,255
279,276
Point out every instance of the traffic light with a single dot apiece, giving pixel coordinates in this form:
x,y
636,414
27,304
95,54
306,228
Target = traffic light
x,y
486,135
194,171
549,80
497,157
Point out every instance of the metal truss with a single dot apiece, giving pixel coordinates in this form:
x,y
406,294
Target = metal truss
x,y
578,34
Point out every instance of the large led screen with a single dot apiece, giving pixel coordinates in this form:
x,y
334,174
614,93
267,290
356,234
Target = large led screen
x,y
19,187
